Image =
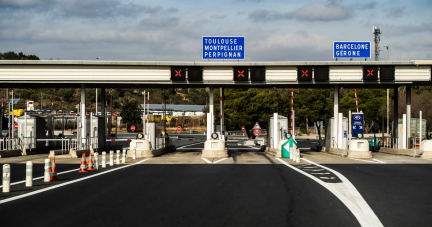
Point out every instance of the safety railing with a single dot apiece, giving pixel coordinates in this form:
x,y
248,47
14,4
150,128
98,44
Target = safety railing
x,y
66,144
10,143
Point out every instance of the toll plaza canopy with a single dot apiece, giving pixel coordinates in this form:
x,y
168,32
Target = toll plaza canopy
x,y
51,73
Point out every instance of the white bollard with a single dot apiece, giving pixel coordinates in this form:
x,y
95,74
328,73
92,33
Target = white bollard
x,y
134,154
6,177
96,157
298,156
47,174
118,157
291,153
103,160
29,174
124,156
111,157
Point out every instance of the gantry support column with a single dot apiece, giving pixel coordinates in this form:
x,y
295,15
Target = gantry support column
x,y
211,108
395,117
408,115
222,117
83,117
336,125
103,115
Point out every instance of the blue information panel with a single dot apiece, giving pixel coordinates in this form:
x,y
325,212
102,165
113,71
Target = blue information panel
x,y
223,47
357,124
343,49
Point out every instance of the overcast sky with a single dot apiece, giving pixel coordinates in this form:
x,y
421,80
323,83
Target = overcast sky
x,y
172,30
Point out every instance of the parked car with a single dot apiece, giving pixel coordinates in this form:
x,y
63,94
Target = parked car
x,y
66,112
60,112
72,112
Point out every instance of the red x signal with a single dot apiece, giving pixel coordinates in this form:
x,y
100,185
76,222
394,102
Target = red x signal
x,y
305,73
370,72
240,73
177,73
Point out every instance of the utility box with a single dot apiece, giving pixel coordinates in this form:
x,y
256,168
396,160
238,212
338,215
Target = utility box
x,y
282,129
35,130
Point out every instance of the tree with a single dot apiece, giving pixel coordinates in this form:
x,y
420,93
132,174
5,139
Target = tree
x,y
20,56
130,113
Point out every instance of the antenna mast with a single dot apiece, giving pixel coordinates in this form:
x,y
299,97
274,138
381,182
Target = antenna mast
x,y
377,31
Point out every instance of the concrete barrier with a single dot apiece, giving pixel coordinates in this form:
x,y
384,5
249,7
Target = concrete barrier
x,y
406,152
10,153
351,154
150,153
78,153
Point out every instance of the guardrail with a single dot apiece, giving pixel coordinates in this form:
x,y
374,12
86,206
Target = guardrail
x,y
66,144
10,143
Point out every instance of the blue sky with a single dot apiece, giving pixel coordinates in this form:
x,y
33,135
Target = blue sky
x,y
171,30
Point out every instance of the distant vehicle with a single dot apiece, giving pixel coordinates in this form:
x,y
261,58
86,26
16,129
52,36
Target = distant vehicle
x,y
48,112
17,113
99,113
60,112
108,113
30,105
66,112
87,114
72,112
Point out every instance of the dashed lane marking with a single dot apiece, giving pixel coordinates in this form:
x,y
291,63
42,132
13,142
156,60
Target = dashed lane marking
x,y
189,145
67,183
341,187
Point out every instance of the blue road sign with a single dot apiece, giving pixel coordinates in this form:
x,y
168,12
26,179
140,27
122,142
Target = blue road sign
x,y
357,124
223,47
342,49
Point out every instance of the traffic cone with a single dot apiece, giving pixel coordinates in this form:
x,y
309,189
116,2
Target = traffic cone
x,y
90,162
53,171
83,164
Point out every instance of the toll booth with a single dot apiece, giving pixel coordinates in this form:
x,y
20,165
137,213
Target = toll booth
x,y
94,133
282,129
32,131
329,137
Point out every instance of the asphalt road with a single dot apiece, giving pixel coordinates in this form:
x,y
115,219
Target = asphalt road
x,y
247,189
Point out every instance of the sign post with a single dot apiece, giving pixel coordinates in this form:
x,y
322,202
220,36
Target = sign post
x,y
133,128
16,126
357,124
178,129
256,132
355,49
243,129
223,47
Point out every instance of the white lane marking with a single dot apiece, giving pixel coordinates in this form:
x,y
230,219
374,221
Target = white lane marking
x,y
67,183
190,148
362,160
220,160
206,160
368,216
378,160
361,210
209,162
189,145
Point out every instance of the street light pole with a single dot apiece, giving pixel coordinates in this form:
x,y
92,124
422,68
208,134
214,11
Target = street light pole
x,y
388,95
